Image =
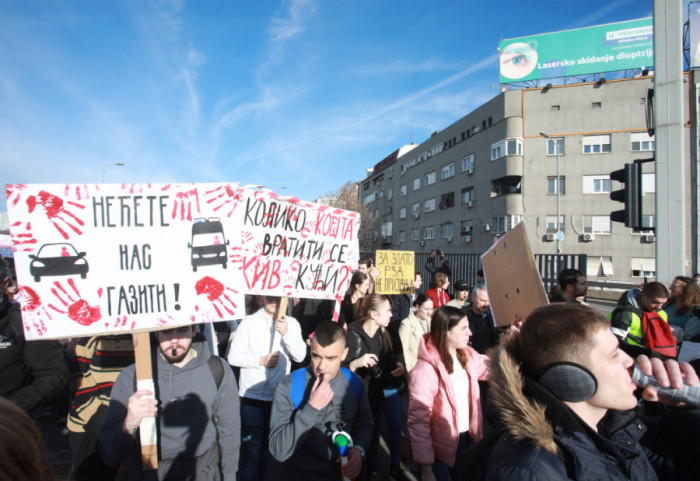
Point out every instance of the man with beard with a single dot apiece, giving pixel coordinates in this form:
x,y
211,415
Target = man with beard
x,y
197,408
573,287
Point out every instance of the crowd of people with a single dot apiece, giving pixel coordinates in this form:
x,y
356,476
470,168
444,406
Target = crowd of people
x,y
548,397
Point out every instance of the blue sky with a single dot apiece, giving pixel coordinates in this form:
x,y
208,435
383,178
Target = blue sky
x,y
298,95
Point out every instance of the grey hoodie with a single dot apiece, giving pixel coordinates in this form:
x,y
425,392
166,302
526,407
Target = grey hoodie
x,y
302,438
188,398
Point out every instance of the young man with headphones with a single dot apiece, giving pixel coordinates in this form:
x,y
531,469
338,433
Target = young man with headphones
x,y
564,397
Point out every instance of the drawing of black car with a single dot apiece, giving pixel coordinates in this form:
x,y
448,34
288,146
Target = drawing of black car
x,y
208,245
58,259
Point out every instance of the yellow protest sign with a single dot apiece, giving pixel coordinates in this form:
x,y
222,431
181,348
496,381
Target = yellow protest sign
x,y
397,270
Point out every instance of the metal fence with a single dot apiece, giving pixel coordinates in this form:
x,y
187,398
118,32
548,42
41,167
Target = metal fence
x,y
465,266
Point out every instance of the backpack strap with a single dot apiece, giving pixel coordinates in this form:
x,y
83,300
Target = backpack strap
x,y
298,385
296,390
217,369
354,381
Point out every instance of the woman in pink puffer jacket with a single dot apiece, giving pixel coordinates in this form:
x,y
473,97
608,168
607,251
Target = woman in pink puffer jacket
x,y
444,412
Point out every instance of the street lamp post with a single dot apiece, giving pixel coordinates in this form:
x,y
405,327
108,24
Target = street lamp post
x,y
556,147
104,167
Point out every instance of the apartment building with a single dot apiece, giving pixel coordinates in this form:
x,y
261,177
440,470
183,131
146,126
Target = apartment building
x,y
471,182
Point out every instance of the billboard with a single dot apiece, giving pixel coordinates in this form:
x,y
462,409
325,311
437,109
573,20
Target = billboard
x,y
106,259
694,20
584,51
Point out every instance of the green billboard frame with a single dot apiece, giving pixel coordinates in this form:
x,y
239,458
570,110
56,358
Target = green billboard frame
x,y
583,51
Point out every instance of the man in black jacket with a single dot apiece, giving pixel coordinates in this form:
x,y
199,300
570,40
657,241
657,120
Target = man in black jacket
x,y
564,395
31,373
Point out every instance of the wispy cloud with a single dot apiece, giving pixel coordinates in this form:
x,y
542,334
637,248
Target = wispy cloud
x,y
343,124
291,21
596,16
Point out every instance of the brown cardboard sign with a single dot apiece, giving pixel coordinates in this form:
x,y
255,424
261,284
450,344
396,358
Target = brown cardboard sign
x,y
514,284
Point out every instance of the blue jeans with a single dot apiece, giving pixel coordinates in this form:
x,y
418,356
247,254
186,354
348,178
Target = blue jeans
x,y
392,411
442,471
255,431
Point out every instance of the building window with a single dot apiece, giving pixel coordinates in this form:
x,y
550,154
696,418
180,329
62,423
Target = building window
x,y
447,200
429,233
447,231
648,183
467,227
556,108
402,236
468,196
642,142
599,266
643,267
552,185
648,225
597,184
503,223
390,194
370,198
552,224
430,178
596,105
505,185
386,229
437,149
402,213
416,184
429,205
376,214
448,171
415,210
507,147
415,234
596,144
403,190
597,224
468,164
553,145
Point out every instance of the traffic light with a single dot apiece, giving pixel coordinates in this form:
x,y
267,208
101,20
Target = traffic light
x,y
631,195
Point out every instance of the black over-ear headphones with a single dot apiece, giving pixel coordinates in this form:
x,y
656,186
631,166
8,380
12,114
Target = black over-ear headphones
x,y
569,381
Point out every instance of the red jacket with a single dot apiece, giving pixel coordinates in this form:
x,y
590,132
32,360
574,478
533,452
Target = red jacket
x,y
439,297
432,413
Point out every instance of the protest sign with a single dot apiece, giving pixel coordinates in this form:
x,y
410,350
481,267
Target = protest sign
x,y
105,259
514,284
397,272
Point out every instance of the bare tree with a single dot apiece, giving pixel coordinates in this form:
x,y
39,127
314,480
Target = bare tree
x,y
347,198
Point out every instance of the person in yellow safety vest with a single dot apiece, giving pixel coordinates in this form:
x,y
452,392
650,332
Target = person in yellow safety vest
x,y
626,319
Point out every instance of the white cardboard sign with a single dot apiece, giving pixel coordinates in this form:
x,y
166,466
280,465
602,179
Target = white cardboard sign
x,y
105,258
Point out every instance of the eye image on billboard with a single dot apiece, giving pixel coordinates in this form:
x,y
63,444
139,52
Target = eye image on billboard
x,y
518,60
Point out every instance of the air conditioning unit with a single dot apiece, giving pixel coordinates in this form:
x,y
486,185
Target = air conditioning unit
x,y
648,238
549,237
416,215
467,239
422,243
470,171
587,237
487,227
470,204
449,238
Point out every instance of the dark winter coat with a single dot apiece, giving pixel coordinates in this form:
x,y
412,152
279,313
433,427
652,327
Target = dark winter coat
x,y
544,439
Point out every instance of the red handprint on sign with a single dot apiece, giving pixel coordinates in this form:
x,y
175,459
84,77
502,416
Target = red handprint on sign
x,y
22,237
183,203
224,197
78,309
216,294
14,193
57,212
32,309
